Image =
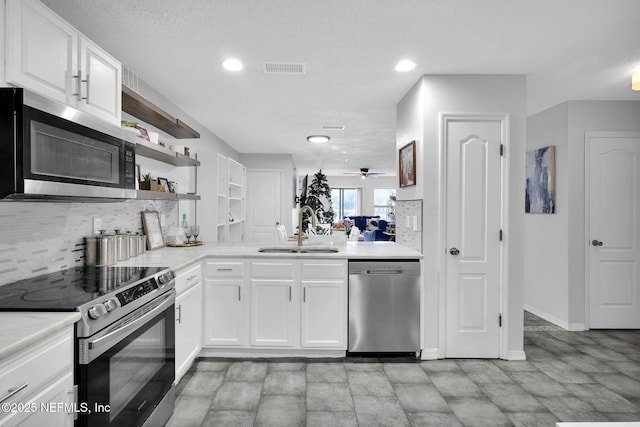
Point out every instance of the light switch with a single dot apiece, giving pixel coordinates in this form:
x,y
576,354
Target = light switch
x,y
408,222
415,223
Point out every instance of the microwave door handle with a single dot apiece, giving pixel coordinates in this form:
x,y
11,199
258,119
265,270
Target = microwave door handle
x,y
128,328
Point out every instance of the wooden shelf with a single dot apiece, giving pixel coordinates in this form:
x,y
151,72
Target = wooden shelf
x,y
147,149
140,107
159,195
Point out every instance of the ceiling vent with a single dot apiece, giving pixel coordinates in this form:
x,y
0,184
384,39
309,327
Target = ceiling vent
x,y
284,68
332,127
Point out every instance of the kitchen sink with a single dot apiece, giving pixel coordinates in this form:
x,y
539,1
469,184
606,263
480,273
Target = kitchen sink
x,y
299,249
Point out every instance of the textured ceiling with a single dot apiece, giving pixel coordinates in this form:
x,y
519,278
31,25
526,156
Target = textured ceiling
x,y
569,49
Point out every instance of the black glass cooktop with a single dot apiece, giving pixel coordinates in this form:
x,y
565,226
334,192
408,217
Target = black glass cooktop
x,y
67,290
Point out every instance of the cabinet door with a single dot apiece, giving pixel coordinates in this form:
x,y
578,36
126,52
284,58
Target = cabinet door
x,y
42,51
224,316
188,328
101,86
273,315
324,309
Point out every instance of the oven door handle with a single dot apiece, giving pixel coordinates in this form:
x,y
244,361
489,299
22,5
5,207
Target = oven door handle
x,y
130,325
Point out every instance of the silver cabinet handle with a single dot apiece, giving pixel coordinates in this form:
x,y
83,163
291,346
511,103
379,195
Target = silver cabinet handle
x,y
13,392
224,269
79,77
87,82
239,294
191,277
304,294
289,293
179,319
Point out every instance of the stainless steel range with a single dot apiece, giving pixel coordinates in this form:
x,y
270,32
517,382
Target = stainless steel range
x,y
125,359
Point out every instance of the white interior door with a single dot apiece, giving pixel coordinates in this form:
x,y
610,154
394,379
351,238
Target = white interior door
x,y
263,205
473,220
614,232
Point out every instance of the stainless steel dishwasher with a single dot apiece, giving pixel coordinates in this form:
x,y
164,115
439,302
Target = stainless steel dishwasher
x,y
384,306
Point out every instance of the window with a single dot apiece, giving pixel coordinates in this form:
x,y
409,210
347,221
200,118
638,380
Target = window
x,y
344,202
383,205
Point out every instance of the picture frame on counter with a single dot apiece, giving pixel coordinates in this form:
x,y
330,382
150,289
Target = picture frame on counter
x,y
152,229
164,182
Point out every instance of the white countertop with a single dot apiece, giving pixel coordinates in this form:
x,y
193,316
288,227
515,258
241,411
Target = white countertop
x,y
20,329
177,258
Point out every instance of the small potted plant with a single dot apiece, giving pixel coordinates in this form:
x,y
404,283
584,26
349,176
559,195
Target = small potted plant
x,y
148,183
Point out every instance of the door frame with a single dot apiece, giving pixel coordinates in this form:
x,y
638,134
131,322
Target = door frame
x,y
587,213
504,120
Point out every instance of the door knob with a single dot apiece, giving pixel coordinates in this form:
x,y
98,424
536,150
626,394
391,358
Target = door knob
x,y
596,242
454,251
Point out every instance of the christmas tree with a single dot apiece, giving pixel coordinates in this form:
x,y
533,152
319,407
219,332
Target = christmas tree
x,y
318,199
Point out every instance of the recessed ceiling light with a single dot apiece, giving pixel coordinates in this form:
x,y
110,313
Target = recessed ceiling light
x,y
405,65
318,138
232,64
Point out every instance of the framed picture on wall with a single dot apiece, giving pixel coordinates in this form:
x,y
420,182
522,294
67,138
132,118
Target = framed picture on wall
x,y
540,186
407,164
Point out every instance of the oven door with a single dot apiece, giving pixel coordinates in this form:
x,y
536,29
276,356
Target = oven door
x,y
126,370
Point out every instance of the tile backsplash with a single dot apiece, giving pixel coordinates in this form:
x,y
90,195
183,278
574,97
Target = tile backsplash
x,y
43,237
407,236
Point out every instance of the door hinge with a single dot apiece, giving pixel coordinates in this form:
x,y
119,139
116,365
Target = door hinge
x,y
502,149
500,320
501,235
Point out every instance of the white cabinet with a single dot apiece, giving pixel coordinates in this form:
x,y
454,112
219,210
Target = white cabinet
x,y
43,373
188,318
263,304
47,55
231,199
273,304
226,303
323,322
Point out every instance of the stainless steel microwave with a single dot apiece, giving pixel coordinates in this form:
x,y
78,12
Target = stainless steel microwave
x,y
48,152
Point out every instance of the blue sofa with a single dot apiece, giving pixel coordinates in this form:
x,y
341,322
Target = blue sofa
x,y
360,221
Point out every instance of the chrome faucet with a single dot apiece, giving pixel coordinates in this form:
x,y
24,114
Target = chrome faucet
x,y
313,221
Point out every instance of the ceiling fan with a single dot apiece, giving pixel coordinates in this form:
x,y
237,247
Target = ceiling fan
x,y
364,172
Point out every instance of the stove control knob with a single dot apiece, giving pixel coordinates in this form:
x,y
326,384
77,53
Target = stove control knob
x,y
97,311
111,304
164,278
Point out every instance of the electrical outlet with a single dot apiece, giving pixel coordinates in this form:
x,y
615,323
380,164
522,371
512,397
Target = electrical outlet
x,y
97,224
415,223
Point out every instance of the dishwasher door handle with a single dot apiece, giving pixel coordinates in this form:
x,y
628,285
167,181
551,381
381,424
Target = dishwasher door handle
x,y
384,272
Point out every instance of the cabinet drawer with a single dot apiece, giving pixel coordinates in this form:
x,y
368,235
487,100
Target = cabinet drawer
x,y
224,269
37,366
272,270
188,278
323,270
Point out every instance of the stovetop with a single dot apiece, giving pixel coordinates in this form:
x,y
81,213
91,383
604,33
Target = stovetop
x,y
67,290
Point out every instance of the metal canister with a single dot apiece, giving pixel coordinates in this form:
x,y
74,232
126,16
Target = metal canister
x,y
142,243
133,244
122,246
100,250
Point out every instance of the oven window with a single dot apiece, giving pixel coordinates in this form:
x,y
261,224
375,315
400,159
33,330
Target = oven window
x,y
60,153
134,366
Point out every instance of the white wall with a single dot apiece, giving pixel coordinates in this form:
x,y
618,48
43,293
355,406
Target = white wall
x,y
284,163
546,268
580,117
365,185
419,118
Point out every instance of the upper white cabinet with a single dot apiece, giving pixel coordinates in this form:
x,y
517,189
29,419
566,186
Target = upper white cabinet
x,y
47,55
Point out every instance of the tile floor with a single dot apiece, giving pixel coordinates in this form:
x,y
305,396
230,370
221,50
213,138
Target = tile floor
x,y
568,376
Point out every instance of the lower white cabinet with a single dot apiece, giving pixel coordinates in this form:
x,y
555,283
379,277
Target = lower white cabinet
x,y
188,317
44,375
276,304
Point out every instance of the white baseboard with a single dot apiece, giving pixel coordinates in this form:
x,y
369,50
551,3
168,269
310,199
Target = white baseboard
x,y
252,352
548,317
577,327
430,354
515,355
